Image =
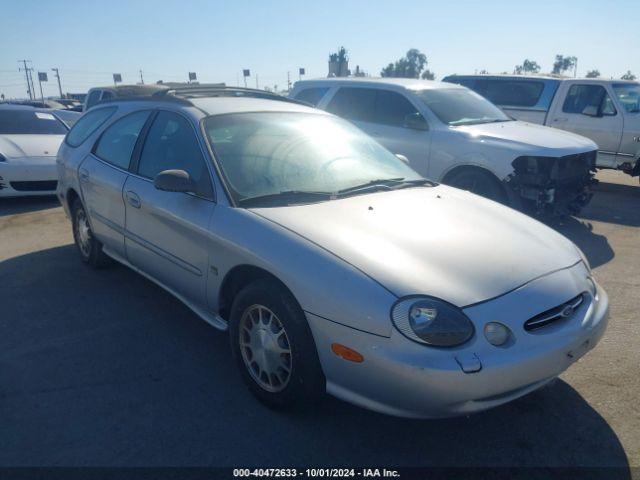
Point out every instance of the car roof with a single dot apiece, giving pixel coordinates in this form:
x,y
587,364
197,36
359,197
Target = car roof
x,y
222,105
214,100
406,83
29,108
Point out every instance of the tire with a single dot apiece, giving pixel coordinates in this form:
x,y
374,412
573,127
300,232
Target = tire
x,y
268,330
89,247
478,181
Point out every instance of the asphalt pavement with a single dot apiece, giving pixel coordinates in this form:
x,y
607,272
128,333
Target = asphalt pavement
x,y
103,368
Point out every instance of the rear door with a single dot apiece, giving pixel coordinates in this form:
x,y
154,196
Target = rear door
x,y
167,232
588,109
102,176
386,116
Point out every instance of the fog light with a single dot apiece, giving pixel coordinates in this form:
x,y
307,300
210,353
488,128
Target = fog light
x,y
496,333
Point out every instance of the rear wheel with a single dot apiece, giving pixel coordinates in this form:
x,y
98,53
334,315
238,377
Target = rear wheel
x,y
478,181
273,346
89,247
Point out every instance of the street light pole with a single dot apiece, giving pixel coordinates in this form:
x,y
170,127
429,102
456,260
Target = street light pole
x,y
58,78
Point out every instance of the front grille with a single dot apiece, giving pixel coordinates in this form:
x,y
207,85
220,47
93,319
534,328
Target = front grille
x,y
36,186
561,312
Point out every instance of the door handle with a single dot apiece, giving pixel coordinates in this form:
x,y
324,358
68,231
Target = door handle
x,y
133,199
84,175
560,119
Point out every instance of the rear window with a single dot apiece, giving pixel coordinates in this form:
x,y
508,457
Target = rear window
x,y
88,123
312,95
30,122
512,93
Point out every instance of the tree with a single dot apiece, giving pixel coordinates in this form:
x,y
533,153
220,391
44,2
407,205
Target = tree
x,y
593,73
339,63
409,66
428,75
528,66
562,64
628,76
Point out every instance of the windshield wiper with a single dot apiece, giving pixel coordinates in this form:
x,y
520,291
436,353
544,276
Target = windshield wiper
x,y
383,184
290,196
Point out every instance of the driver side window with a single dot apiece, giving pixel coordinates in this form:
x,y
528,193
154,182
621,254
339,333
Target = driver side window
x,y
581,97
172,145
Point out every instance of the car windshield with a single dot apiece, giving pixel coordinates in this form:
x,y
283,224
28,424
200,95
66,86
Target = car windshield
x,y
460,106
629,96
283,158
27,122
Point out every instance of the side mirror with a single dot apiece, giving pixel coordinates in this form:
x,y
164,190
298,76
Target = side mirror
x,y
415,121
591,111
403,158
174,181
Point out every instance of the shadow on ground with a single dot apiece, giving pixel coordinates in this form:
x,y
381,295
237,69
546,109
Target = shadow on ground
x,y
104,368
14,206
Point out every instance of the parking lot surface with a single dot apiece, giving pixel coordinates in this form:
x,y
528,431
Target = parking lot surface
x,y
103,368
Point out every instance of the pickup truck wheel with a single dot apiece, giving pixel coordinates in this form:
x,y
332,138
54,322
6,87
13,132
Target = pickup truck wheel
x,y
479,182
273,347
89,247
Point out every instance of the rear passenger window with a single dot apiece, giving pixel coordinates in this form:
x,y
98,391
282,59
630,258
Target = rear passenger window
x,y
582,96
171,144
116,144
312,95
511,93
392,108
88,123
354,104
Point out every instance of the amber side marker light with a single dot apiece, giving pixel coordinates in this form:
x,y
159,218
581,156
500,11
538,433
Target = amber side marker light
x,y
346,353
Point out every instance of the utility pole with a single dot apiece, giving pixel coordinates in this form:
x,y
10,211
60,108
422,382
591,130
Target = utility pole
x,y
58,78
26,74
141,79
289,81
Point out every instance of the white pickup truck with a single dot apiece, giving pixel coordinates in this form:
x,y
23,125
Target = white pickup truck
x,y
606,111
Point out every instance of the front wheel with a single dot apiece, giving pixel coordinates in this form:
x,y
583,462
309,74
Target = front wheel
x,y
479,182
273,346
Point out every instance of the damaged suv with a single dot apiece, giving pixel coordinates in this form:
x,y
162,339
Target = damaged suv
x,y
453,135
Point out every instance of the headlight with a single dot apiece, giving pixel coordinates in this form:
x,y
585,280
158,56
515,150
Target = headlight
x,y
431,321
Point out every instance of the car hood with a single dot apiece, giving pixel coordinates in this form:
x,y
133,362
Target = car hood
x,y
15,146
546,139
437,241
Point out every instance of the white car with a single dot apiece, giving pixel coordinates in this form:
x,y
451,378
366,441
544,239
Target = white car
x,y
453,135
29,142
606,111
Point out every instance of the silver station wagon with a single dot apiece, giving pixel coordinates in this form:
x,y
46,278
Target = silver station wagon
x,y
334,266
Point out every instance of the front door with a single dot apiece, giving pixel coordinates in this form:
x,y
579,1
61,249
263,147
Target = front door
x,y
588,110
167,232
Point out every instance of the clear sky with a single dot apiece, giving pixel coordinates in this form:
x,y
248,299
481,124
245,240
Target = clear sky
x,y
89,40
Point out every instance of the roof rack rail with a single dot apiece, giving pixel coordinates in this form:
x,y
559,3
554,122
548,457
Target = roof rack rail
x,y
223,91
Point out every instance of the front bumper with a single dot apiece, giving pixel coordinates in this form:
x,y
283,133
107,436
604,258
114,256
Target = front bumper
x,y
400,377
28,176
550,185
